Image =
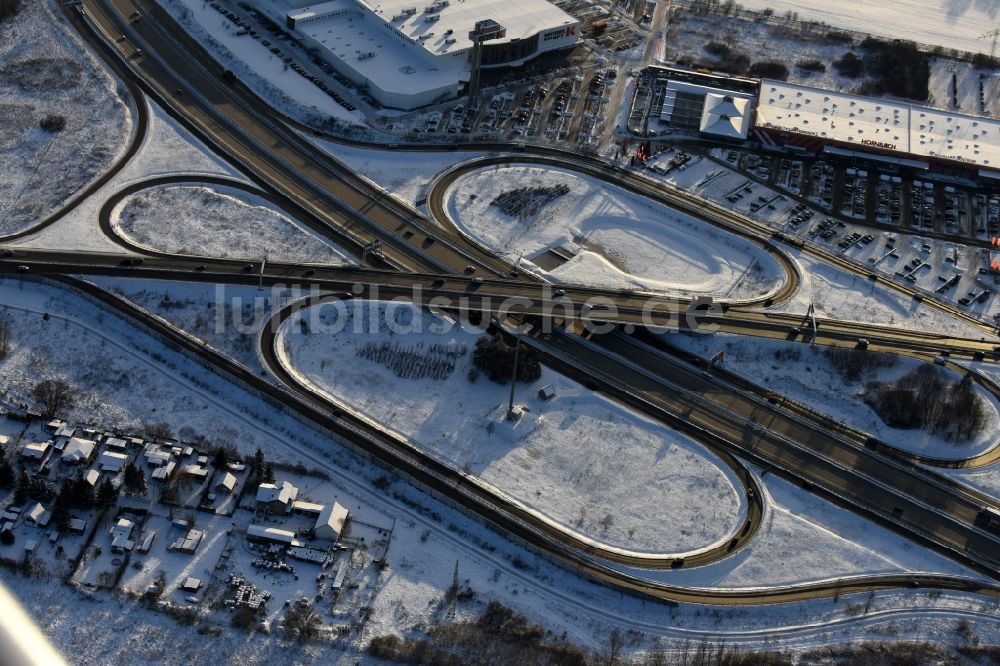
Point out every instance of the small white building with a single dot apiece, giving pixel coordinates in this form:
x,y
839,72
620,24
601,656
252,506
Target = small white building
x,y
116,443
156,457
330,522
163,472
195,470
147,541
276,497
309,508
189,542
191,584
112,461
35,450
92,476
121,535
227,483
77,450
37,514
272,534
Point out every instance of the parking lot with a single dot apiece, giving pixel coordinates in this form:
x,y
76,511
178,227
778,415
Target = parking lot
x,y
883,196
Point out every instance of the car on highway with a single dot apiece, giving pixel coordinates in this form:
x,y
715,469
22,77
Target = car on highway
x,y
22,268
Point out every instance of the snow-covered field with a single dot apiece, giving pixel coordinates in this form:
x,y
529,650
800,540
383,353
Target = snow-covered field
x,y
615,239
688,35
45,71
120,384
811,538
405,174
168,149
954,24
837,294
967,80
807,375
578,458
224,317
803,538
216,222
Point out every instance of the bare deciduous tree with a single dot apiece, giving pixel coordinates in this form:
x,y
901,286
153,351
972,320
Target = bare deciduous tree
x,y
54,396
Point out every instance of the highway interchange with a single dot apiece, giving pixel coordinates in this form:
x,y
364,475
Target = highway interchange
x,y
733,418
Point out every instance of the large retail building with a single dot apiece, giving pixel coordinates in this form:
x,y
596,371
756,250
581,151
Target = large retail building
x,y
409,55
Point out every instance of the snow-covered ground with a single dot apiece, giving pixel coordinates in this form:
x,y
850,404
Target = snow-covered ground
x,y
807,375
265,73
809,536
578,458
168,149
615,239
964,89
802,536
46,71
121,385
803,539
691,32
218,222
225,317
837,294
405,174
953,24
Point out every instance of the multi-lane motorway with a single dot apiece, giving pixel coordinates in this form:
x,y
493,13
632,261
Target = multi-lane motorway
x,y
345,207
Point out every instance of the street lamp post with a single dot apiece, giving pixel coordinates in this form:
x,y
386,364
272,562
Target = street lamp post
x,y
511,414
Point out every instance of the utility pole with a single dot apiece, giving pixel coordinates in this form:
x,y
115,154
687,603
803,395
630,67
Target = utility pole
x,y
511,414
260,281
993,46
811,313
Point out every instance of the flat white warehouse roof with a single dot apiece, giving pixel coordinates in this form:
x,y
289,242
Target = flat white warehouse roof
x,y
362,44
522,19
880,124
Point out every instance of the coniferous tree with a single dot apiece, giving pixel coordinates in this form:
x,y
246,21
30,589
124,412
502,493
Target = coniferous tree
x,y
106,493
